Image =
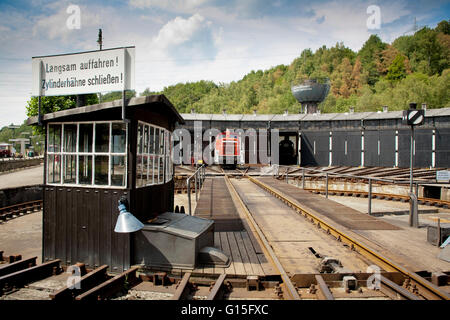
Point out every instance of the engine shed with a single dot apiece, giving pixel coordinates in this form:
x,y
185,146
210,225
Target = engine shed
x,y
92,159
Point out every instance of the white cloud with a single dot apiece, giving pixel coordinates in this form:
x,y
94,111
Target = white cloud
x,y
179,30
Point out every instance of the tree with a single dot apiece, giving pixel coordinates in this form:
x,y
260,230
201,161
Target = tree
x,y
443,26
397,69
357,77
57,103
116,95
53,104
369,55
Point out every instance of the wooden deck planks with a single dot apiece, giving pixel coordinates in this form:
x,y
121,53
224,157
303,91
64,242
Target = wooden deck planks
x,y
255,263
226,249
244,254
237,258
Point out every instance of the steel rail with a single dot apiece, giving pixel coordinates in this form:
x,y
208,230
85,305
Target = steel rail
x,y
324,290
386,264
399,290
217,291
24,276
18,208
183,285
17,266
292,291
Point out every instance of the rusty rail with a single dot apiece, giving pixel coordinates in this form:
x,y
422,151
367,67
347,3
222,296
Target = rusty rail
x,y
21,208
324,290
182,288
217,291
22,277
17,266
397,289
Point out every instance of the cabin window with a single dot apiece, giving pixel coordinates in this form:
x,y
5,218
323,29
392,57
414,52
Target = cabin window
x,y
153,161
92,154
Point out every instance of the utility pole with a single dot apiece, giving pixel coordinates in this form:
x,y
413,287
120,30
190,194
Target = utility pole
x,y
100,43
100,39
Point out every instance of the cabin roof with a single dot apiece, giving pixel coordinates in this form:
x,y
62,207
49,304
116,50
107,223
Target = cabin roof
x,y
138,102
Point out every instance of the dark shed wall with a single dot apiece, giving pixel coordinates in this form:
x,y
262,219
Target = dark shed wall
x,y
79,227
353,156
371,157
377,130
387,148
321,155
149,202
424,148
442,148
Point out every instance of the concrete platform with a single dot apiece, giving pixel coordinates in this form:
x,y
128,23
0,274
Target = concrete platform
x,y
22,235
23,177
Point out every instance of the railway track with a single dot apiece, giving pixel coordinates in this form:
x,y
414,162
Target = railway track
x,y
423,288
290,288
96,284
319,284
21,209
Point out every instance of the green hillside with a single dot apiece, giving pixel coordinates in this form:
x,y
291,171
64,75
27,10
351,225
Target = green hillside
x,y
412,68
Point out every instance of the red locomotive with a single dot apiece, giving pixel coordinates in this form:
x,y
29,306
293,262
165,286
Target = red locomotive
x,y
5,150
228,149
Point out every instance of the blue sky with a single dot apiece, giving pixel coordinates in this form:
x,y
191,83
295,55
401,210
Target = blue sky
x,y
180,41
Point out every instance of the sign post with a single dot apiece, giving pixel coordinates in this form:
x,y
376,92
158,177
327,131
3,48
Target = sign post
x,y
443,176
83,73
413,117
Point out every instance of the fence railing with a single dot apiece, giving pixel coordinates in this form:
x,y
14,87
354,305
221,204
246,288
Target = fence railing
x,y
199,177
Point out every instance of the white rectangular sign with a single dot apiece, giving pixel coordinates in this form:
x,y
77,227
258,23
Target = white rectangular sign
x,y
85,72
443,175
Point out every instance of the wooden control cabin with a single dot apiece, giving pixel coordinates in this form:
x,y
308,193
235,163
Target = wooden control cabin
x,y
92,158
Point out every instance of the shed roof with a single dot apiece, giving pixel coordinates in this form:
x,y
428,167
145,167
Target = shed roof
x,y
288,117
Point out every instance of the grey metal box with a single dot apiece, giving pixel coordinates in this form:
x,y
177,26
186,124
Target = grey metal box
x,y
174,243
432,233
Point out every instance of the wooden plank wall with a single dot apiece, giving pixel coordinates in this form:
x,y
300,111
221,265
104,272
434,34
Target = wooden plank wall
x,y
78,226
